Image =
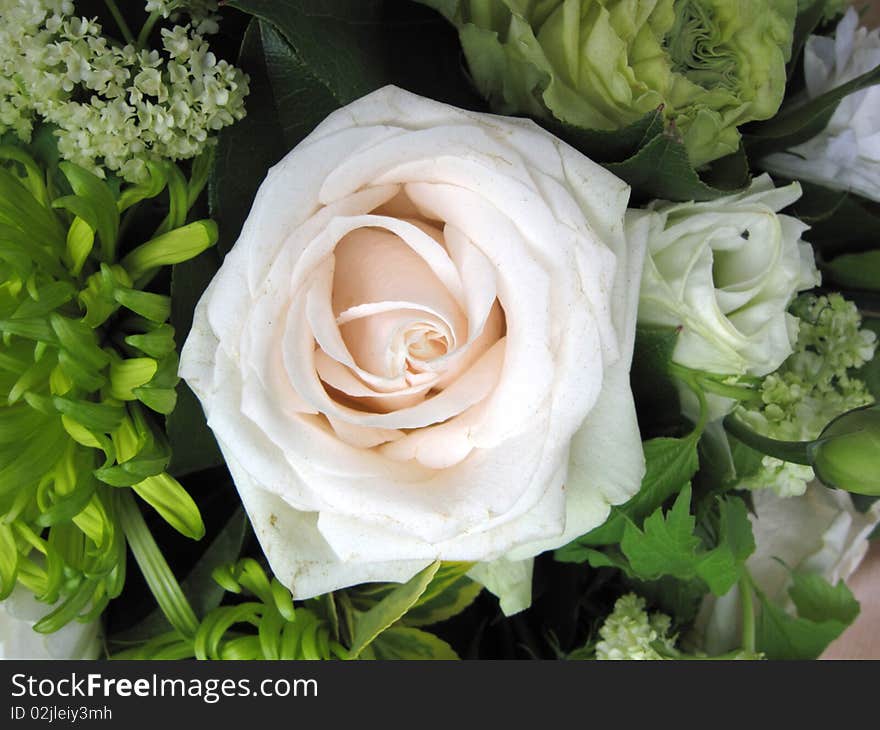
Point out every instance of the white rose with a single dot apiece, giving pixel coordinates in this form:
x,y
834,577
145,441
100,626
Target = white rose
x,y
846,154
725,272
18,640
419,347
820,532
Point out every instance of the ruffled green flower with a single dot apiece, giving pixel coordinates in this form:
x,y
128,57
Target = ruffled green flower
x,y
712,65
88,366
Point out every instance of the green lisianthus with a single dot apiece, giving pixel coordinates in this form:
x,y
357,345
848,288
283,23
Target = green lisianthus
x,y
711,65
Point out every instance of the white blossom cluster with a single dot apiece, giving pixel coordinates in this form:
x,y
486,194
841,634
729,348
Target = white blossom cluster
x,y
629,632
202,13
812,387
113,107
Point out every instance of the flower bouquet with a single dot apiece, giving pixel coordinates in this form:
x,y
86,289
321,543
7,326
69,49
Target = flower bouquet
x,y
437,329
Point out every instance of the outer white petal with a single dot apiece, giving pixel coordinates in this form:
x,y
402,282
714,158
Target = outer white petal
x,y
510,580
297,553
18,640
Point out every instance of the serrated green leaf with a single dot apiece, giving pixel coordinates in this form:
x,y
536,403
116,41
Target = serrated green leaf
x,y
670,463
666,545
402,642
369,625
661,169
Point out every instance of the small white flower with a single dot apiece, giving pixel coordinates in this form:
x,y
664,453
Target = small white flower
x,y
846,154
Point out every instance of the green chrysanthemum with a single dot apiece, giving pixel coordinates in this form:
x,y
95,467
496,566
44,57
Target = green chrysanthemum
x,y
86,357
603,64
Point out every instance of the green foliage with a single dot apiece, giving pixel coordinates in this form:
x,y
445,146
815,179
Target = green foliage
x,y
265,625
85,358
824,611
390,609
670,464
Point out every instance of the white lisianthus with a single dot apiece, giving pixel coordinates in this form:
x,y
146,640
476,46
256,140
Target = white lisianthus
x,y
819,532
725,272
18,640
419,348
846,154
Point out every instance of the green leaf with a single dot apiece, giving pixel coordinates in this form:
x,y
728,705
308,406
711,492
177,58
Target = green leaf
x,y
369,625
199,587
817,600
806,22
670,463
447,595
245,152
609,146
653,387
402,642
855,271
154,307
827,212
796,123
154,567
824,612
661,169
667,544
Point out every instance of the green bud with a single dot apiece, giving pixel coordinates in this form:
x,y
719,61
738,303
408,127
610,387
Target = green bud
x,y
847,454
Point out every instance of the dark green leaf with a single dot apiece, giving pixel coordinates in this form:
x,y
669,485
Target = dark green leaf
x,y
661,169
369,625
796,123
670,464
855,270
824,612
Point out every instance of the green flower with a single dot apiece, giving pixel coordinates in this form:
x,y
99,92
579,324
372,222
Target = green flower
x,y
712,65
88,366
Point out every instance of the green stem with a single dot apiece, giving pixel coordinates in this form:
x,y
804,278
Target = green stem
x,y
796,452
748,613
154,567
120,21
147,28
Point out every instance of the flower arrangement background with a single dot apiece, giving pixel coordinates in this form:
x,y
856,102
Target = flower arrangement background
x,y
592,380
